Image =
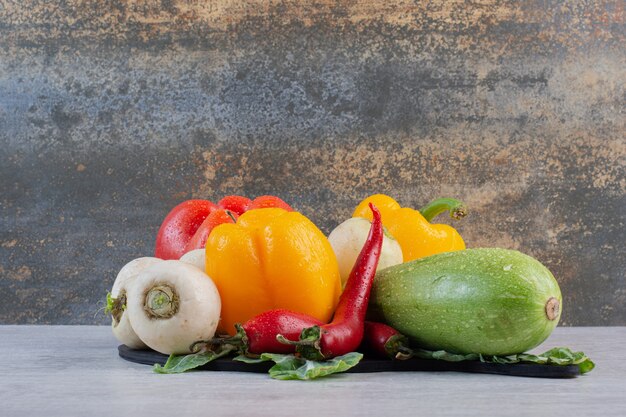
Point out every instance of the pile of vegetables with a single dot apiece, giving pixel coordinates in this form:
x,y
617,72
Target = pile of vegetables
x,y
257,279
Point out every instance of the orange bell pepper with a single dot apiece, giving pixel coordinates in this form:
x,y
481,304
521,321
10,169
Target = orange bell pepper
x,y
412,229
272,258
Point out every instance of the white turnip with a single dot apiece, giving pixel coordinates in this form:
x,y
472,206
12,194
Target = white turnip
x,y
195,257
116,302
172,305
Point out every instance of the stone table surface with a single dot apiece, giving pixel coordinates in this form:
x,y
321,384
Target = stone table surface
x,y
75,371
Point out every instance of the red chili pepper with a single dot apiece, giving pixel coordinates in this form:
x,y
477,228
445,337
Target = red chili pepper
x,y
345,332
258,335
235,203
217,217
179,226
266,201
385,341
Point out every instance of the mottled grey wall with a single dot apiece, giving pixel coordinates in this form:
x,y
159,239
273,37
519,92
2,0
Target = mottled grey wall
x,y
112,112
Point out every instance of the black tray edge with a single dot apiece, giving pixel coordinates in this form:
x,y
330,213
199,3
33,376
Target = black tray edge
x,y
368,365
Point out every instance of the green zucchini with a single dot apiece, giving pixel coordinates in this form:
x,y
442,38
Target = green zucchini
x,y
489,301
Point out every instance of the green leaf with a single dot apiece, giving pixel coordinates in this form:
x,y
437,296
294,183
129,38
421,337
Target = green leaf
x,y
115,306
559,356
292,367
444,356
564,356
586,366
180,363
177,364
110,300
247,359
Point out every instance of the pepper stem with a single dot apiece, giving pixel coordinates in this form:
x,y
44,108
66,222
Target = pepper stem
x,y
238,341
230,214
457,208
309,344
397,346
218,349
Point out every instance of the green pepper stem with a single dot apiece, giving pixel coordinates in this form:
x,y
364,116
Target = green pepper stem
x,y
230,214
404,353
457,208
309,345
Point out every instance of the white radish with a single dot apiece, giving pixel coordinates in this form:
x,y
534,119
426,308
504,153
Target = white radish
x,y
122,330
172,305
348,239
195,257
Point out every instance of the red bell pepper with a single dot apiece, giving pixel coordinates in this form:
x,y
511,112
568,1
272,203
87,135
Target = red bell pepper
x,y
188,225
179,227
217,217
266,201
234,203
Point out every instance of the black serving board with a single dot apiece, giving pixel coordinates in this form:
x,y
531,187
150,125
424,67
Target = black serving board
x,y
150,357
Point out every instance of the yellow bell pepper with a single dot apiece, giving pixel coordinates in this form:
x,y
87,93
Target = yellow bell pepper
x,y
413,231
272,258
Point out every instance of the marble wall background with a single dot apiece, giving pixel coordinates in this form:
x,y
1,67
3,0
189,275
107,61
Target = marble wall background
x,y
112,112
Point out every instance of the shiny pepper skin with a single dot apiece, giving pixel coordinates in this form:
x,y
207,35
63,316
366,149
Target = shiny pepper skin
x,y
417,237
271,259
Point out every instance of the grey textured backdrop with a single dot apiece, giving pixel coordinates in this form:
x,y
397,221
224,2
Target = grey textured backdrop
x,y
112,112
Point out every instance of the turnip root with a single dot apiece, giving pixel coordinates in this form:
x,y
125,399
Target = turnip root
x,y
122,330
172,305
195,257
347,240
